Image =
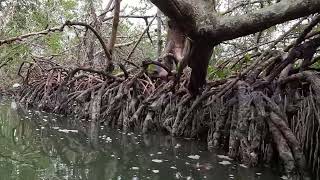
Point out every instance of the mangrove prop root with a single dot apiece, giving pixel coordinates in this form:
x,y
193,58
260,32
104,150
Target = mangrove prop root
x,y
253,119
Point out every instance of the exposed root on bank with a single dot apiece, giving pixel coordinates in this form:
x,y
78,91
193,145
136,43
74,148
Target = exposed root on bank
x,y
269,110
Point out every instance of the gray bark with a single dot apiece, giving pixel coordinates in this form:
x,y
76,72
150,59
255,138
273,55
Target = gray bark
x,y
199,17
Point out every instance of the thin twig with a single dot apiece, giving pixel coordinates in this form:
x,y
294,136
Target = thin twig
x,y
140,38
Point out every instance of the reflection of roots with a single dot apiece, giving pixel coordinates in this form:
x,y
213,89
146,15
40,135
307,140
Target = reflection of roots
x,y
254,120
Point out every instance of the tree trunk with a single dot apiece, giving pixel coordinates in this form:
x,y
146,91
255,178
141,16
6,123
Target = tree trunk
x,y
198,21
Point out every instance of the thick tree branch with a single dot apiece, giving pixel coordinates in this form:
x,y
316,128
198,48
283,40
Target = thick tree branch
x,y
228,28
197,16
21,37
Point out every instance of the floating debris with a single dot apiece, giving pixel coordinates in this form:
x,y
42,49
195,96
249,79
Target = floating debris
x,y
159,153
108,140
157,160
225,163
67,130
16,85
194,157
135,168
204,166
173,167
155,171
284,177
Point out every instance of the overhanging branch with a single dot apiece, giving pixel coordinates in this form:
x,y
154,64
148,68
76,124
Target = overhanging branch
x,y
222,28
232,27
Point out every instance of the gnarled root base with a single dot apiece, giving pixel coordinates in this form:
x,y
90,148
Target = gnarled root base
x,y
252,124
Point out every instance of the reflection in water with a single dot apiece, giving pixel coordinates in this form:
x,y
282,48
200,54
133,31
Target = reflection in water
x,y
36,145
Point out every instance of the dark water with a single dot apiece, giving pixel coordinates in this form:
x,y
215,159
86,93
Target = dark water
x,y
36,145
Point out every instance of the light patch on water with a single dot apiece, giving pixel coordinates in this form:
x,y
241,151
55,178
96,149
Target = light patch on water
x,y
194,157
224,157
284,177
55,128
157,160
159,153
173,167
225,163
259,174
151,155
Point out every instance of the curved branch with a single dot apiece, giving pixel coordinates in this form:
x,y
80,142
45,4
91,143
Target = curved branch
x,y
146,63
106,51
